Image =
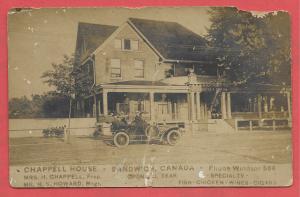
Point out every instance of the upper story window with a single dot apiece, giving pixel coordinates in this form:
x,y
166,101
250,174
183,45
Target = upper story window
x,y
126,44
139,69
115,68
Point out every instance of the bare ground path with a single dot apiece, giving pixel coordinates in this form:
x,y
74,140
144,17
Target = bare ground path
x,y
240,147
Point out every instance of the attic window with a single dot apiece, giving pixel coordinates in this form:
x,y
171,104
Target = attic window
x,y
126,44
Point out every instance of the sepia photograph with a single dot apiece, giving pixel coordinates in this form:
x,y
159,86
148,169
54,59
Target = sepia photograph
x,y
149,97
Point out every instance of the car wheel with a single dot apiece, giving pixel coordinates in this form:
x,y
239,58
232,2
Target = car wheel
x,y
173,137
121,139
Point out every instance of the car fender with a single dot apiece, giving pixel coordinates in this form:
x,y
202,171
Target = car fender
x,y
121,130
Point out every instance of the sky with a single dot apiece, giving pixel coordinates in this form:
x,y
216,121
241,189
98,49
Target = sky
x,y
40,37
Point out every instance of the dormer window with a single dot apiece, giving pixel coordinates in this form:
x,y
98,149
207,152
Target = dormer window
x,y
126,44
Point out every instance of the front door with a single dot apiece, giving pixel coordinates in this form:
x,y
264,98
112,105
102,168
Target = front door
x,y
163,112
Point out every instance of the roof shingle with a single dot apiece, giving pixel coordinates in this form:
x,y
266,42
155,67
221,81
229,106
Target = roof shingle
x,y
173,41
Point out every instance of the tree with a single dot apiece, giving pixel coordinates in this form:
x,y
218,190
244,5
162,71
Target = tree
x,y
46,105
251,49
278,29
20,108
60,77
63,80
55,106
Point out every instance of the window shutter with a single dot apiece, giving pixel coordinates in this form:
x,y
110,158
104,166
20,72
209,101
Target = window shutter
x,y
139,68
118,43
135,45
115,65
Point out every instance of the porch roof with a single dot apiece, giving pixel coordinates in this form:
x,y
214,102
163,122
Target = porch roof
x,y
141,86
139,82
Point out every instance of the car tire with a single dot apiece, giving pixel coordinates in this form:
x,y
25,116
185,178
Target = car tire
x,y
173,137
121,139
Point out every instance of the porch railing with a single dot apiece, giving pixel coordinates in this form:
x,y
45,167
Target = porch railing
x,y
258,124
253,115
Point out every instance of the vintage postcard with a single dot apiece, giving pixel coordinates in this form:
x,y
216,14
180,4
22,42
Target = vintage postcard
x,y
149,97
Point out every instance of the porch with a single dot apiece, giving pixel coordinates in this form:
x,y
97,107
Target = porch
x,y
191,103
158,101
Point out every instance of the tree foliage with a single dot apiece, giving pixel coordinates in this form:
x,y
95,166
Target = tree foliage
x,y
20,108
60,77
68,79
47,105
251,49
56,103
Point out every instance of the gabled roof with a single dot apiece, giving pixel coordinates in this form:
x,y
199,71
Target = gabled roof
x,y
172,40
89,38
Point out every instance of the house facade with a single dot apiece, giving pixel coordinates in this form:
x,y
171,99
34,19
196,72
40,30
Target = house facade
x,y
164,70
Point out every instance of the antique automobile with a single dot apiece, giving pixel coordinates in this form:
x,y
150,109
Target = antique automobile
x,y
122,133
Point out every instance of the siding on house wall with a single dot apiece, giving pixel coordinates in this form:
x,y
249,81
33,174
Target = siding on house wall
x,y
152,71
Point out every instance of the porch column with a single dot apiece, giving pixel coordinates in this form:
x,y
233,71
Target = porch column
x,y
198,105
95,106
105,104
99,106
288,95
192,109
152,106
228,105
259,106
188,97
223,105
205,111
202,106
266,108
175,111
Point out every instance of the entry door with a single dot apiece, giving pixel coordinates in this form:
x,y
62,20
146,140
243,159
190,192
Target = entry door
x,y
162,111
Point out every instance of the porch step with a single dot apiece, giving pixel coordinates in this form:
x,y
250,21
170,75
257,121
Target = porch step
x,y
224,126
231,122
211,125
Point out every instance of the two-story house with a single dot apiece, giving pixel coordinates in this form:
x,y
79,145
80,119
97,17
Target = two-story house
x,y
160,68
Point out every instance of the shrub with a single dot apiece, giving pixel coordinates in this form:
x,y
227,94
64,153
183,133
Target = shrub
x,y
54,132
